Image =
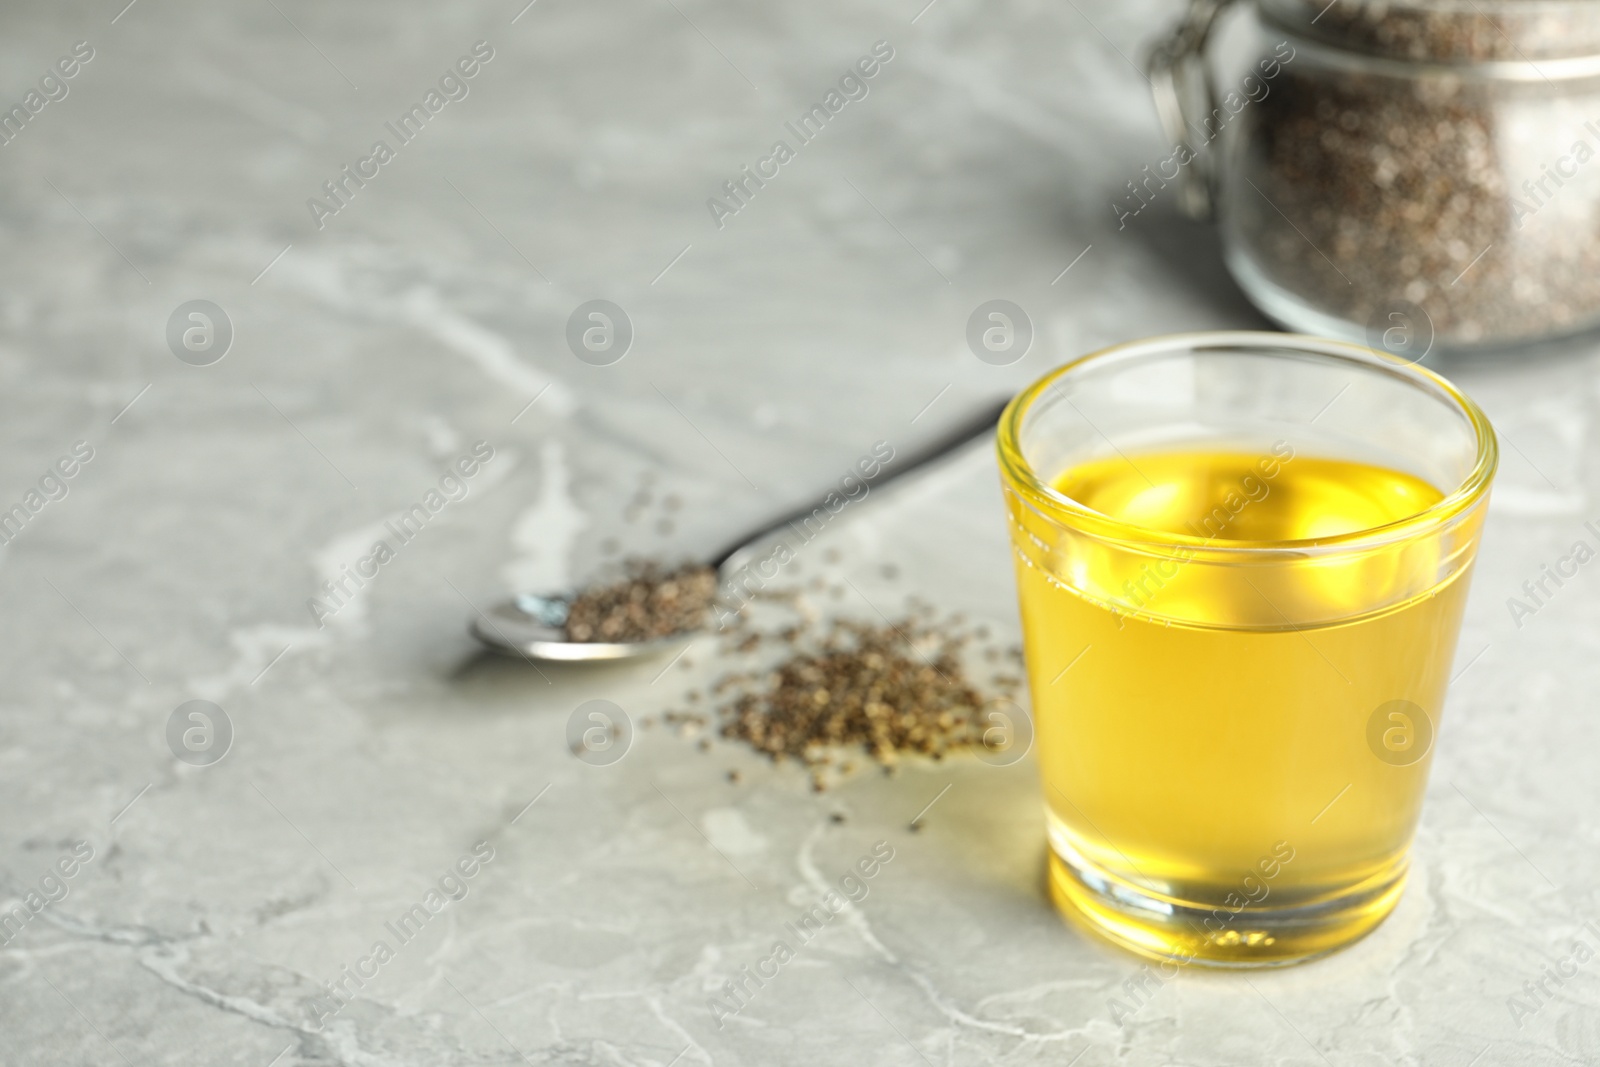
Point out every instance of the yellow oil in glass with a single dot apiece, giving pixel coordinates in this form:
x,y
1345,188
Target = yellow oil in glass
x,y
1204,727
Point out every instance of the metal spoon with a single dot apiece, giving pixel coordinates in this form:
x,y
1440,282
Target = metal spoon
x,y
531,624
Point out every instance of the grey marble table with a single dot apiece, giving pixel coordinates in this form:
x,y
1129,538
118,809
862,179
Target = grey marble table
x,y
372,755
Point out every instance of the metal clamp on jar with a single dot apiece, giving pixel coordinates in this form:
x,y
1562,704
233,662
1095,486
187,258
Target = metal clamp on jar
x,y
1409,172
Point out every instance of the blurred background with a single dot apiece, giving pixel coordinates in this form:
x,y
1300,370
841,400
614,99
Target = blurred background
x,y
349,353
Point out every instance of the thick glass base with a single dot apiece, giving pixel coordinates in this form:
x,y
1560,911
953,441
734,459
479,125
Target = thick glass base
x,y
1166,929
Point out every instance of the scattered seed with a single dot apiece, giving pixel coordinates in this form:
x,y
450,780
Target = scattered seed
x,y
885,690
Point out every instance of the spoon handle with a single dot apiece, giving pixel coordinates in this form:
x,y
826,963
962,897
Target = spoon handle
x,y
980,425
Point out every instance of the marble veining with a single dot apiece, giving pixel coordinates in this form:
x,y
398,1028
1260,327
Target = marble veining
x,y
373,748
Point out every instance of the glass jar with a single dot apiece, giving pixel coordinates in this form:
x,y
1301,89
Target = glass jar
x,y
1402,174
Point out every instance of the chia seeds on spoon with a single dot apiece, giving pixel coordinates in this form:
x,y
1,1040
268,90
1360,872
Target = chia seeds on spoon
x,y
650,602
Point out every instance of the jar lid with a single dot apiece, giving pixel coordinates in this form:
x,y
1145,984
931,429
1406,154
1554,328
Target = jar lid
x,y
1447,31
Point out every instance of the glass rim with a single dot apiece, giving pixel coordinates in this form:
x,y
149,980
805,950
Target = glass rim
x,y
1547,69
1528,61
1057,506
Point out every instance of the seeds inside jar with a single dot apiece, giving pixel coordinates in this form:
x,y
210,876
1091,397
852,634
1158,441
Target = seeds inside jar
x,y
1419,168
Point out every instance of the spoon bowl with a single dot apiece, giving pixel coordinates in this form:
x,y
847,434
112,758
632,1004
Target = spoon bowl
x,y
533,625
519,627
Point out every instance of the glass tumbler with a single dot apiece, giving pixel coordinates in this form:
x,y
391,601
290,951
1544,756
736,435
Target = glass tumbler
x,y
1242,560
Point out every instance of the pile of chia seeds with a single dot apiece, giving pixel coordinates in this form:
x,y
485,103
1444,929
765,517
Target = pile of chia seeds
x,y
832,693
